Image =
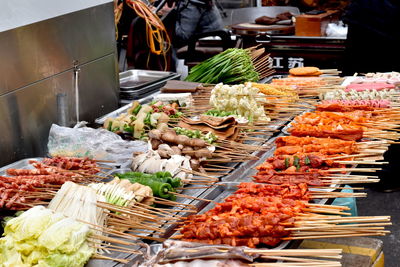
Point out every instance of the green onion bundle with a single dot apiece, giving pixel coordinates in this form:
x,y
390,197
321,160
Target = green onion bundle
x,y
231,66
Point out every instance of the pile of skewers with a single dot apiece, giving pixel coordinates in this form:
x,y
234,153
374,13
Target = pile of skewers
x,y
267,214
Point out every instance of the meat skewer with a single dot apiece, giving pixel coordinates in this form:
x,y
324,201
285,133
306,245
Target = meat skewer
x,y
16,189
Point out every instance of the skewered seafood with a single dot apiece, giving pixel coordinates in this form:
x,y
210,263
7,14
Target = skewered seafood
x,y
354,95
299,82
180,250
305,71
359,87
355,104
201,263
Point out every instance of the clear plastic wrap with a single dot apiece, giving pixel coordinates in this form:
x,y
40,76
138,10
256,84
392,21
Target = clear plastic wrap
x,y
98,144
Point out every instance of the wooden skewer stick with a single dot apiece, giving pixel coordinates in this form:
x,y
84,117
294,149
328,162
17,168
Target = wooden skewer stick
x,y
332,236
361,162
107,161
191,197
102,257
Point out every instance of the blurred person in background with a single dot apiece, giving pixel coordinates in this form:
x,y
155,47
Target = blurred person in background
x,y
373,37
193,17
373,42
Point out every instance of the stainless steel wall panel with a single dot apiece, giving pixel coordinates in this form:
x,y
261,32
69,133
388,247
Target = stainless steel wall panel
x,y
14,14
97,82
27,114
37,51
38,56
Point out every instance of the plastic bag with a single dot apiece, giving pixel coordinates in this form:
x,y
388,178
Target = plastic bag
x,y
98,144
336,30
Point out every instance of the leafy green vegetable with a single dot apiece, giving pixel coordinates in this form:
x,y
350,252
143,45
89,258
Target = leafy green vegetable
x,y
136,110
208,137
231,66
39,237
220,113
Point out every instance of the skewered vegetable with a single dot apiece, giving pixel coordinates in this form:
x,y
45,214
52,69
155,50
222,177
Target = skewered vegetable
x,y
159,188
208,137
151,162
231,66
220,113
39,237
140,118
79,202
164,177
243,99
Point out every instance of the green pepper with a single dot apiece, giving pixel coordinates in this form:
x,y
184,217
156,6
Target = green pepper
x,y
147,119
164,177
296,161
128,128
159,189
136,110
176,182
307,160
133,174
109,125
287,162
163,174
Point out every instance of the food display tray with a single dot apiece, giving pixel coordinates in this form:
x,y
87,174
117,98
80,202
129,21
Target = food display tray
x,y
135,79
136,84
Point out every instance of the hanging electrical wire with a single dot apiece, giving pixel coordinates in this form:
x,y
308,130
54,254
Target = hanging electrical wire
x,y
157,37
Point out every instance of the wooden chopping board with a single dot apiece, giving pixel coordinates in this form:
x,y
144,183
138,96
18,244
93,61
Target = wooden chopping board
x,y
175,86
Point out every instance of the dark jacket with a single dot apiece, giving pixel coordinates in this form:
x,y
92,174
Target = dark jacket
x,y
379,16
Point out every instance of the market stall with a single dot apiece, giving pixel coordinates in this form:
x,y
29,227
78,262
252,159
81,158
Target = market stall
x,y
242,169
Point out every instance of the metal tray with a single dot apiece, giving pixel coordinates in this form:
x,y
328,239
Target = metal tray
x,y
145,91
134,79
123,109
21,164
